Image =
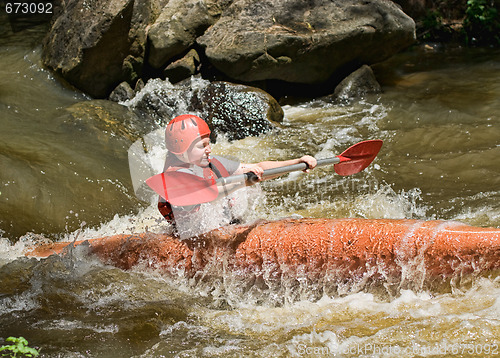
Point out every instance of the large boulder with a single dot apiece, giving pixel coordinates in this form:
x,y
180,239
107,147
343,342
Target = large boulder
x,y
304,41
178,26
96,45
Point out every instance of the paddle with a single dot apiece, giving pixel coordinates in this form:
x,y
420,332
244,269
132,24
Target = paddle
x,y
183,189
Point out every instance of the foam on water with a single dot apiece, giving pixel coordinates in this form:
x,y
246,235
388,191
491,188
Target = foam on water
x,y
161,87
277,321
439,160
363,324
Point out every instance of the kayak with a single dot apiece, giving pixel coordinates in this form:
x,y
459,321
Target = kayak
x,y
310,248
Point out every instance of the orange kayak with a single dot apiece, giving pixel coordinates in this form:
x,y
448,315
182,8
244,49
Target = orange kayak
x,y
311,248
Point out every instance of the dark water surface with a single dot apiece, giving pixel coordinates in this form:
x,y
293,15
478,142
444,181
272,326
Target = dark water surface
x,y
439,117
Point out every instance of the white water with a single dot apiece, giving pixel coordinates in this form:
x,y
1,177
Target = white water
x,y
439,161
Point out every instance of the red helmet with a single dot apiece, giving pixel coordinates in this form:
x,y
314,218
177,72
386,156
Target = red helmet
x,y
183,130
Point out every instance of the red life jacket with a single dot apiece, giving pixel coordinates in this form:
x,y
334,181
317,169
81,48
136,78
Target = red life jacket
x,y
214,170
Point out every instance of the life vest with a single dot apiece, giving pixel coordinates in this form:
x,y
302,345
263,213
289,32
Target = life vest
x,y
214,170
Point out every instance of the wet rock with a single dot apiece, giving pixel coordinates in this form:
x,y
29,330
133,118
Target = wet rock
x,y
357,84
235,110
107,119
17,275
161,100
183,68
139,85
96,45
238,111
123,92
304,41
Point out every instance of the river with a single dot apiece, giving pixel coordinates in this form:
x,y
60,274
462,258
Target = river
x,y
63,177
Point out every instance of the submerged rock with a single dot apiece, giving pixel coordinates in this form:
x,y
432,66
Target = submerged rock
x,y
108,119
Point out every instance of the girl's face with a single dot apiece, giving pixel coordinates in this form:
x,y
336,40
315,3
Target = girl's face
x,y
199,151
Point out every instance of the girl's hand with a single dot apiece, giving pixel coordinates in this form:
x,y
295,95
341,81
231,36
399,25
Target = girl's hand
x,y
310,161
257,170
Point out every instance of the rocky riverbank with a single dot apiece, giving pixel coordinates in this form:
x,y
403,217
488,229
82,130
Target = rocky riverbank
x,y
96,45
243,48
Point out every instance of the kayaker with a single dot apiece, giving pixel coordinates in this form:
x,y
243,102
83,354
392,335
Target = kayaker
x,y
187,139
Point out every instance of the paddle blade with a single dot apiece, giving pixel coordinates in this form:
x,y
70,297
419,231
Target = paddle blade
x,y
357,157
183,189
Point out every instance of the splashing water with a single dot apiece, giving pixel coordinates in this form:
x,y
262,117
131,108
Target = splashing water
x,y
439,121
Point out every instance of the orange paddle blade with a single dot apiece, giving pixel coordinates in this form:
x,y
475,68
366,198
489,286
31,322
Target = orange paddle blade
x,y
357,157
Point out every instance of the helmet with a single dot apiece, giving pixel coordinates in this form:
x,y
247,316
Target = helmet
x,y
183,130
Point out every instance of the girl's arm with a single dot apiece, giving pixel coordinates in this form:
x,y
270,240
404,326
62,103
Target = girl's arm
x,y
258,168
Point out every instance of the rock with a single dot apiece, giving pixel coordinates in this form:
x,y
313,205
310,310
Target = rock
x,y
183,68
107,119
132,68
235,110
357,84
304,41
238,111
139,85
144,14
96,45
178,26
89,50
161,100
123,92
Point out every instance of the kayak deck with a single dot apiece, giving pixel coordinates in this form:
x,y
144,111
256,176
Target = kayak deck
x,y
310,247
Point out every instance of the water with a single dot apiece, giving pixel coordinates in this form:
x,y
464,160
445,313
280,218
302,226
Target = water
x,y
64,176
59,167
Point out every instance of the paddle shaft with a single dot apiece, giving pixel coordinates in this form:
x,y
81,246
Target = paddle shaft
x,y
251,177
184,189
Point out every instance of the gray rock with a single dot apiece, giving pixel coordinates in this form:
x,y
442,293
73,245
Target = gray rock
x,y
236,110
96,45
183,68
357,84
178,26
304,41
122,92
